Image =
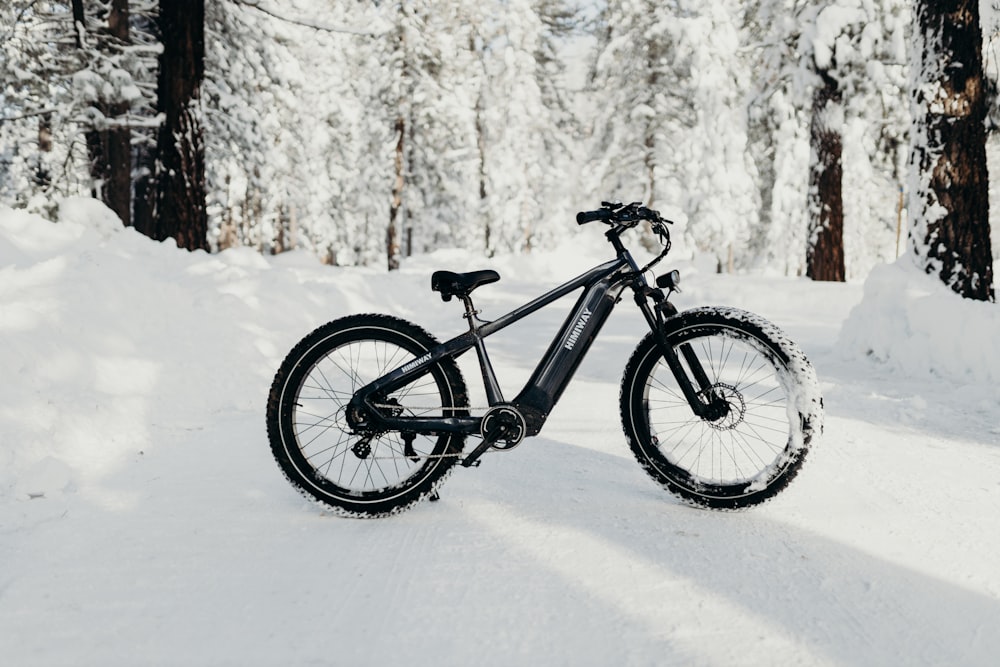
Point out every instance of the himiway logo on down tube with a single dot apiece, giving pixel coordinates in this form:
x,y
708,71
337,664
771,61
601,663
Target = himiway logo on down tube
x,y
578,328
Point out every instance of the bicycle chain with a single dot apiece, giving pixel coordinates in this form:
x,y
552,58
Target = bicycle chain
x,y
491,450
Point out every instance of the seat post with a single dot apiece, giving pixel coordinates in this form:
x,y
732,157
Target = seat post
x,y
470,312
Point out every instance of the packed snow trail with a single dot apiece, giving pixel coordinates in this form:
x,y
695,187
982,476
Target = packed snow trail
x,y
144,521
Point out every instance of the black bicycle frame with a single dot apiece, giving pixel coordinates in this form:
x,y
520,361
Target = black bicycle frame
x,y
602,287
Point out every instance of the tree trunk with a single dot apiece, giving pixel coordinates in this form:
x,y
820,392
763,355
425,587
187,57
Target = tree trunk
x,y
109,148
180,175
825,254
118,138
94,140
948,199
144,203
483,207
392,232
42,177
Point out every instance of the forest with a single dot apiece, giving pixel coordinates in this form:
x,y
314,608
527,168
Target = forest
x,y
792,137
187,187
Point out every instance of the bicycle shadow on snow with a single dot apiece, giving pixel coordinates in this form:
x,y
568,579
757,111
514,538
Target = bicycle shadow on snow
x,y
767,586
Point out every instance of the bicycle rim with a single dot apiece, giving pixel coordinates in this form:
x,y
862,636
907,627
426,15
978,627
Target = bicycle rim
x,y
373,466
745,447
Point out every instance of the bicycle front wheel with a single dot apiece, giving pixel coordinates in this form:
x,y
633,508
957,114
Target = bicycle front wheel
x,y
362,474
744,454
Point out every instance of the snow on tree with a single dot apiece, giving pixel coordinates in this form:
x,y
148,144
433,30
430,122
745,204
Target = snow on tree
x,y
949,202
76,71
852,43
524,125
832,75
433,127
327,131
254,128
31,125
674,129
113,87
778,140
327,124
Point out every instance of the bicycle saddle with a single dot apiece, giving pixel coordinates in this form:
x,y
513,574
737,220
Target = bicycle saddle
x,y
460,284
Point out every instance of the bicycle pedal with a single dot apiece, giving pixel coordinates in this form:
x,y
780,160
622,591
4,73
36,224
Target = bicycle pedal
x,y
472,460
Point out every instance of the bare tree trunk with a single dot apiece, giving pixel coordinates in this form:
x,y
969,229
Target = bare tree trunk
x,y
42,176
949,202
145,194
96,155
144,157
825,253
118,138
109,149
392,232
481,147
180,175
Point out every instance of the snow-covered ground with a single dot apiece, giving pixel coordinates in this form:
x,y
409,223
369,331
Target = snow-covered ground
x,y
143,521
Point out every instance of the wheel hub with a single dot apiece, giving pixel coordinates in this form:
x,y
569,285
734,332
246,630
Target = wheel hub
x,y
356,419
727,407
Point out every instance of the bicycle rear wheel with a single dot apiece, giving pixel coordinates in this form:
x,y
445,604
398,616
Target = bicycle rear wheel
x,y
362,475
756,446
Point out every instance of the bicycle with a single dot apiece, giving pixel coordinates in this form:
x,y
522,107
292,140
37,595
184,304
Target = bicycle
x,y
368,414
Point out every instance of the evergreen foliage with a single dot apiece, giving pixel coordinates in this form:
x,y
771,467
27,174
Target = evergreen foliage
x,y
363,132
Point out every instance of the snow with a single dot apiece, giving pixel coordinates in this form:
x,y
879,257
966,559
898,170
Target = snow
x,y
144,521
913,323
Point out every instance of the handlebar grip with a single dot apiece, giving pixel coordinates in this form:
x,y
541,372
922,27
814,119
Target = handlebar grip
x,y
583,217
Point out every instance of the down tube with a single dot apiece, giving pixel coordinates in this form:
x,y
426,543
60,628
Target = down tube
x,y
567,350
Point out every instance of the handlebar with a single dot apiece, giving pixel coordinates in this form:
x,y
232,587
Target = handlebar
x,y
617,213
624,217
583,217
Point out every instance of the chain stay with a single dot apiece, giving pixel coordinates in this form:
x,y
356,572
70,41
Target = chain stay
x,y
426,456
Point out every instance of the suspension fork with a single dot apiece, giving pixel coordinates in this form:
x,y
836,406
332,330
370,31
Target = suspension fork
x,y
703,401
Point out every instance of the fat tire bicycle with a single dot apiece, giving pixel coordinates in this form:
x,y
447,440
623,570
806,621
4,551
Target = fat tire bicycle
x,y
369,414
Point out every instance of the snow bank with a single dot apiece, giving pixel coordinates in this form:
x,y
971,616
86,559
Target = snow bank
x,y
913,324
109,338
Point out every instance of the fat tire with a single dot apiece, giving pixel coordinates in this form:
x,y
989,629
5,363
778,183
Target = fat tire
x,y
748,334
287,447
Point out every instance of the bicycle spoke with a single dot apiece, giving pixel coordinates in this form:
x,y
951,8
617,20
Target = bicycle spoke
x,y
737,446
353,461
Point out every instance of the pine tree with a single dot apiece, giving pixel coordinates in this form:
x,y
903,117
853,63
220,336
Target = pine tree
x,y
260,119
74,71
825,251
523,125
634,63
434,183
829,77
778,136
673,128
948,203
